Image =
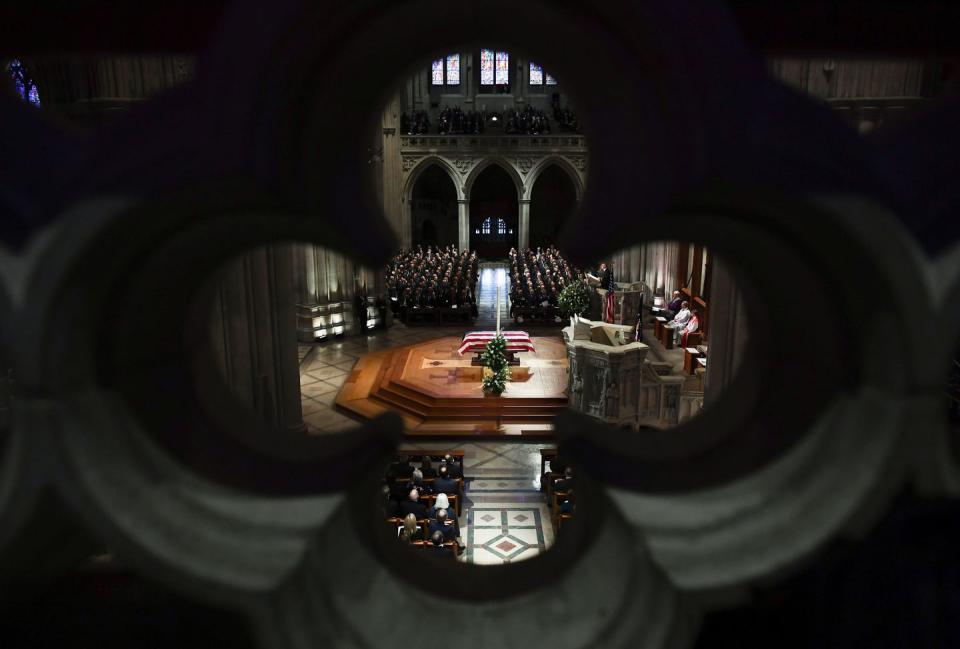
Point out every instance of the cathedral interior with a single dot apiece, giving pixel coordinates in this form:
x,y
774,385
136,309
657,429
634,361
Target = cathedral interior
x,y
563,325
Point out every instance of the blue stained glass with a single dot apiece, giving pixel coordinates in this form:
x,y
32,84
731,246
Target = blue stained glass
x,y
486,67
551,81
501,226
453,69
22,84
536,74
503,68
437,73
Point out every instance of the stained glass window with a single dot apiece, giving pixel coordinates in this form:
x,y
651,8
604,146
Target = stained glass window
x,y
485,226
536,74
22,82
501,226
486,67
453,69
437,73
503,68
551,81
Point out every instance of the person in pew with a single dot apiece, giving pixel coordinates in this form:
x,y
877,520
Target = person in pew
x,y
565,483
400,469
674,306
410,531
569,503
443,483
427,469
679,321
438,549
442,504
692,325
412,505
416,482
391,508
452,466
445,524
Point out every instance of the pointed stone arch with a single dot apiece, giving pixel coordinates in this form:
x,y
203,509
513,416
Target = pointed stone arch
x,y
575,176
502,162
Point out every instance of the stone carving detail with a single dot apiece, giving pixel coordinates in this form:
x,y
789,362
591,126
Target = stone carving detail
x,y
463,165
410,161
524,165
580,162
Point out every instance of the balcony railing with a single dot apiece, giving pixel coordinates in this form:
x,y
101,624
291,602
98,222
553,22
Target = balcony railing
x,y
494,142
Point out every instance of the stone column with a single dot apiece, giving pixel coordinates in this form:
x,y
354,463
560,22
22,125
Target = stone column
x,y
255,335
523,232
727,334
463,224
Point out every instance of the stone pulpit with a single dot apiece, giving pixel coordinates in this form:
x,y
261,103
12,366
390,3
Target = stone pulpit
x,y
605,370
611,378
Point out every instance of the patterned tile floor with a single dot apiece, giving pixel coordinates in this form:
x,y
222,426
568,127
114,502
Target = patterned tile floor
x,y
504,518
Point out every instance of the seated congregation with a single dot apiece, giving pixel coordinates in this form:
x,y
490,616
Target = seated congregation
x,y
433,285
679,322
423,499
423,504
536,279
453,120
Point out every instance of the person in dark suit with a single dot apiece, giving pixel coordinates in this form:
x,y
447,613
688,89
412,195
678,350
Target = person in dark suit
x,y
452,466
443,483
416,482
400,469
443,524
427,469
437,548
412,505
391,508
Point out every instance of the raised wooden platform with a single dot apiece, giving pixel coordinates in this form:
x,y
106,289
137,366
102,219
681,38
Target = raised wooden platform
x,y
438,393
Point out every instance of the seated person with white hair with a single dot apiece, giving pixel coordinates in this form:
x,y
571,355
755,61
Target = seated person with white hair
x,y
412,505
416,482
442,503
679,321
445,525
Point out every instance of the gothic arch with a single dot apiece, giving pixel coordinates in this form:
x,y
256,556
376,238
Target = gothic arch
x,y
522,190
425,164
563,163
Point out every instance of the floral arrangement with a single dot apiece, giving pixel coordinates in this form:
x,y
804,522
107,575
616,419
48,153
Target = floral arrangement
x,y
495,358
574,299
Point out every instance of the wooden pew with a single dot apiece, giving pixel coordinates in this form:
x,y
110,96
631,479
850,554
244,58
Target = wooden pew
x,y
434,455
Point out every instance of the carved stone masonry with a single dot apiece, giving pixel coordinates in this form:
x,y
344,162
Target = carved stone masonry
x,y
410,161
524,165
463,165
579,162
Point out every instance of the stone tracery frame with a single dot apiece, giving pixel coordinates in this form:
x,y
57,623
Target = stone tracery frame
x,y
269,555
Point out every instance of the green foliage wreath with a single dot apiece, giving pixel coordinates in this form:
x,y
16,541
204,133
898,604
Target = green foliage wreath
x,y
495,357
574,299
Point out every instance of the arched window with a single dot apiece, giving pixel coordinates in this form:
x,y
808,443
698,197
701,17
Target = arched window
x,y
446,71
23,83
485,226
538,77
494,68
501,226
453,69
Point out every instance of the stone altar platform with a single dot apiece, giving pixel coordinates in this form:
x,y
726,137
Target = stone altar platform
x,y
438,392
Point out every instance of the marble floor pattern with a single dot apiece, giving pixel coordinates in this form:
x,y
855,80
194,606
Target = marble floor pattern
x,y
504,517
